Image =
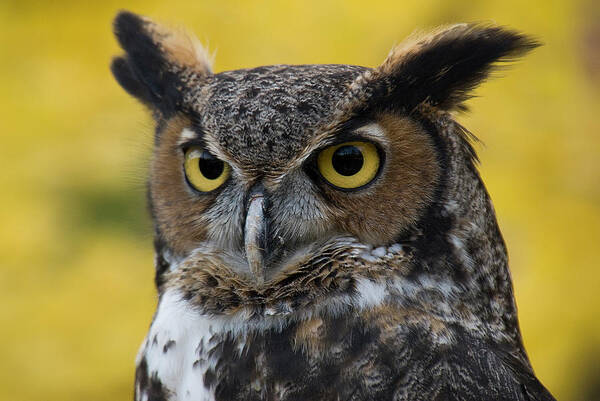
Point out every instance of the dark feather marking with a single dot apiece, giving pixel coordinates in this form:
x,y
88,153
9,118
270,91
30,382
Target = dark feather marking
x,y
444,71
144,72
149,385
169,344
127,78
161,264
141,378
209,378
431,237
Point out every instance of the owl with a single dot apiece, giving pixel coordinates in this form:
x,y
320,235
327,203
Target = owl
x,y
321,231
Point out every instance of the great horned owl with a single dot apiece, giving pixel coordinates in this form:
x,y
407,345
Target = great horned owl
x,y
321,231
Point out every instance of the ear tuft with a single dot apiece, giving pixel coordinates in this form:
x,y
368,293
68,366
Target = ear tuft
x,y
185,49
157,61
443,67
122,70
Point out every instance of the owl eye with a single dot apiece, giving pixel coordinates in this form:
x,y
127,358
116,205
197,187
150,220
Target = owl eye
x,y
349,165
204,171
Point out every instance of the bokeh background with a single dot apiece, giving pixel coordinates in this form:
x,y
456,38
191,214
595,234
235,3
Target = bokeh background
x,y
76,265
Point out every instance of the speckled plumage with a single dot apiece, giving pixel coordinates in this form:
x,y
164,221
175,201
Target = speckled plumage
x,y
244,109
397,291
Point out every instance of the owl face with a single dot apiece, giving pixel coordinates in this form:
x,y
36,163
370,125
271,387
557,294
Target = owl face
x,y
286,182
262,168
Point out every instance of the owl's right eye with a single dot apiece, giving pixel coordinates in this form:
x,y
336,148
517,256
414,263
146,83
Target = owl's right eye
x,y
204,171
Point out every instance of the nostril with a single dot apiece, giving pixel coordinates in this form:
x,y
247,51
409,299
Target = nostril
x,y
254,197
257,191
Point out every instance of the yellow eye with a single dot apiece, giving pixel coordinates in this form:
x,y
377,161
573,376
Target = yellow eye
x,y
204,171
349,165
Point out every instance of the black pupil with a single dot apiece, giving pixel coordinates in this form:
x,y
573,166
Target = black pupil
x,y
347,160
210,166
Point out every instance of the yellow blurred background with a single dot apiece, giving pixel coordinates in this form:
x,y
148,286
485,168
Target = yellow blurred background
x,y
76,264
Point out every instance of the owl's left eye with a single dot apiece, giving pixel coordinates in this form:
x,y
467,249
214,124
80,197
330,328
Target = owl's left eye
x,y
204,171
349,165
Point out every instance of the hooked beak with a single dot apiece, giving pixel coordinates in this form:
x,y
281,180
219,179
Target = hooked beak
x,y
255,230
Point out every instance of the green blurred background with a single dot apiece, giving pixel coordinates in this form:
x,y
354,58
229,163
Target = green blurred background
x,y
76,265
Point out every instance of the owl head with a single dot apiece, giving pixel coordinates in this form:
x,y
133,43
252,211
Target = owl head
x,y
279,185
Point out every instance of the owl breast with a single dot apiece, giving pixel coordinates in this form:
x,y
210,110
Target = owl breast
x,y
286,356
376,350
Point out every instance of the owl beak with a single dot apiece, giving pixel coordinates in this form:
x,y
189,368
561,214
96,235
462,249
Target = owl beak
x,y
255,235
